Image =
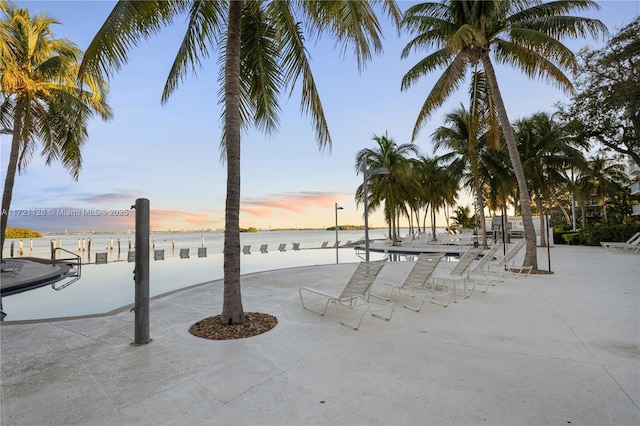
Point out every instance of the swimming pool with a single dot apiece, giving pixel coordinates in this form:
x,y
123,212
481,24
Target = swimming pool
x,y
106,287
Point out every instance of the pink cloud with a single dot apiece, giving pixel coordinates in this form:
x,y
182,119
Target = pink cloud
x,y
298,203
160,217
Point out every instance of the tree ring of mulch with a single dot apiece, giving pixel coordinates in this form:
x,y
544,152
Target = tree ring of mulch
x,y
212,328
534,271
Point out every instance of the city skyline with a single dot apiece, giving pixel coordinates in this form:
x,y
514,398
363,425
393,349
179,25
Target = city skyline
x,y
170,154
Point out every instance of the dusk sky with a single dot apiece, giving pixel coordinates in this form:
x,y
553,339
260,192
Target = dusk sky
x,y
170,154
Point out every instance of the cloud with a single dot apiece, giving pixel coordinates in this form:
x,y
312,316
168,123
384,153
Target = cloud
x,y
299,203
68,194
170,217
109,197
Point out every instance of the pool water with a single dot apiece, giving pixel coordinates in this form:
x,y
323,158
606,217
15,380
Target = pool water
x,y
106,287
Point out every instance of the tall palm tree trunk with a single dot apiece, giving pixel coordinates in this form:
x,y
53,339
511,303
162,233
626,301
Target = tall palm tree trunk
x,y
543,230
479,203
531,255
232,311
603,200
12,168
564,211
433,222
583,211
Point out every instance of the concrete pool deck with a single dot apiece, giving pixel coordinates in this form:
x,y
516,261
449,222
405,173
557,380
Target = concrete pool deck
x,y
545,349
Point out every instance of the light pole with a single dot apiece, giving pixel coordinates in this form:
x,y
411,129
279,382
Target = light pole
x,y
337,208
573,202
367,173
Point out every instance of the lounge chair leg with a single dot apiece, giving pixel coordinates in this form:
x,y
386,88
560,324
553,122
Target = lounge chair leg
x,y
355,327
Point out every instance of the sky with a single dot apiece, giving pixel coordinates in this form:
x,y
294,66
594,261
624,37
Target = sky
x,y
170,153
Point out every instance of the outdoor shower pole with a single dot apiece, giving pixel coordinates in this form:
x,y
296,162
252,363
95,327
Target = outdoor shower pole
x,y
337,208
141,273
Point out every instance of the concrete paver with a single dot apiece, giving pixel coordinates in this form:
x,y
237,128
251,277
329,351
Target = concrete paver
x,y
548,349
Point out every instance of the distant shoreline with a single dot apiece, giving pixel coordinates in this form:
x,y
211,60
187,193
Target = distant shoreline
x,y
193,231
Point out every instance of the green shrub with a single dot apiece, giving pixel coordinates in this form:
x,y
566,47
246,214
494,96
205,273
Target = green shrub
x,y
22,233
596,233
559,231
572,238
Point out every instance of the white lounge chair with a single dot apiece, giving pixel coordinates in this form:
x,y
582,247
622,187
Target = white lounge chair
x,y
505,265
631,245
354,296
478,271
324,245
611,245
405,241
458,274
414,286
634,247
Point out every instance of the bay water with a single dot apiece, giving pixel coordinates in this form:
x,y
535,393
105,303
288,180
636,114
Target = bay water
x,y
106,287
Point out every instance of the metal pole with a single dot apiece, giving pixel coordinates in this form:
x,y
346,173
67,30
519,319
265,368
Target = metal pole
x,y
573,203
573,213
366,212
141,273
336,208
548,242
504,233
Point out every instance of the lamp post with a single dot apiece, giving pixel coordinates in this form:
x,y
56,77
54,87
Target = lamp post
x,y
367,173
573,202
337,208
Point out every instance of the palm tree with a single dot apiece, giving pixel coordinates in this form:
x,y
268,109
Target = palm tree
x,y
462,217
262,45
545,152
6,37
460,137
497,179
389,188
438,190
525,34
41,100
602,177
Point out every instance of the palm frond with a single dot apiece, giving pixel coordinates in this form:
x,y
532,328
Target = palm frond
x,y
428,40
565,26
353,25
447,83
532,63
296,65
259,66
431,62
128,23
205,23
522,11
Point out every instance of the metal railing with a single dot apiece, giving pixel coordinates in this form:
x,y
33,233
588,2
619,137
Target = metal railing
x,y
75,260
